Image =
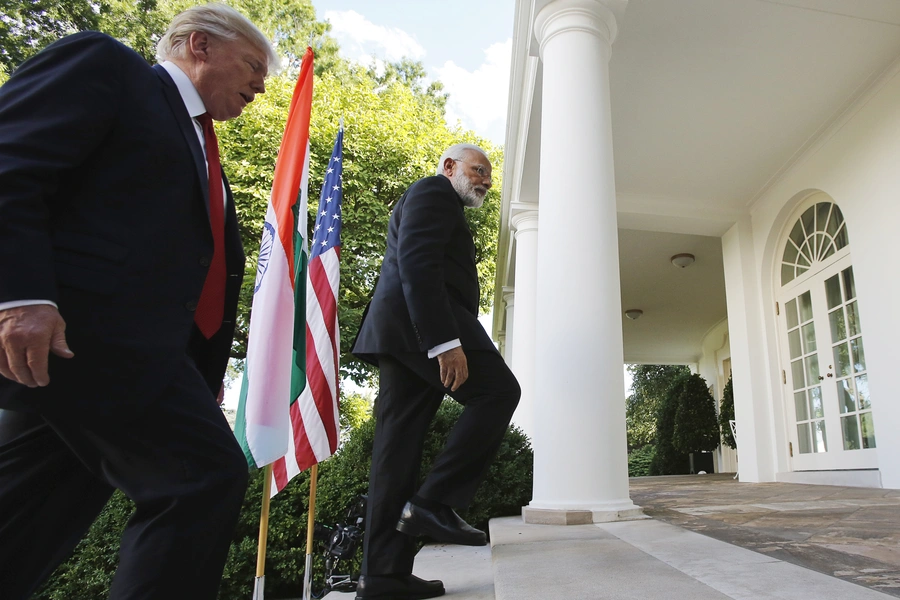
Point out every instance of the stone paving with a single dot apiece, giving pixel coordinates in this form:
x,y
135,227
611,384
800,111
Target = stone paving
x,y
849,533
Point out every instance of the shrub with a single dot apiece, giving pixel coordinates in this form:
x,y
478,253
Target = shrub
x,y
667,460
639,461
507,487
727,414
696,427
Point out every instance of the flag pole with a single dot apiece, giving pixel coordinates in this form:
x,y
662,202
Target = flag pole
x,y
259,587
310,528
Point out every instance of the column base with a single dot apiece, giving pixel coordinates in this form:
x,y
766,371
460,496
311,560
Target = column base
x,y
562,516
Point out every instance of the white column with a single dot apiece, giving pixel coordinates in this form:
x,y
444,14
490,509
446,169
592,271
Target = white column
x,y
509,301
524,221
753,406
580,462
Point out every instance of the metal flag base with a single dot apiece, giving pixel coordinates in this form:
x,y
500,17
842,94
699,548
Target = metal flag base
x,y
259,587
307,578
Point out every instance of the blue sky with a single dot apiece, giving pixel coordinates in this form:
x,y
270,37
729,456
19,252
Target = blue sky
x,y
465,44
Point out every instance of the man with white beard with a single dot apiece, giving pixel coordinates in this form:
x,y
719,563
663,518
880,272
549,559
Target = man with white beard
x,y
421,329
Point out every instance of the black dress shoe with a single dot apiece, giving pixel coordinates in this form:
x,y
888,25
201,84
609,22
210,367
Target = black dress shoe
x,y
397,587
441,525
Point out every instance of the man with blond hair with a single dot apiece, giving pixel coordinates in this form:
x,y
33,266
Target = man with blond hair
x,y
120,267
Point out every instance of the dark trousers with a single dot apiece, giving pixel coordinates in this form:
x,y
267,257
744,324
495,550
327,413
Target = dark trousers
x,y
409,396
178,461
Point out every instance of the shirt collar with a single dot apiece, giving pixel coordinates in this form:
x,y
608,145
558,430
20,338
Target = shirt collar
x,y
189,94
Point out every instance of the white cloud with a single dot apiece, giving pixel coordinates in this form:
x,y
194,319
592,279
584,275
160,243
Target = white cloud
x,y
478,98
360,39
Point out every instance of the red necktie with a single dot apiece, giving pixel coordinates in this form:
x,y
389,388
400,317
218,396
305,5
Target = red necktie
x,y
211,306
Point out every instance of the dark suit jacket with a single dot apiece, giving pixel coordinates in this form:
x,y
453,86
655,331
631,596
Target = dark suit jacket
x,y
104,210
428,291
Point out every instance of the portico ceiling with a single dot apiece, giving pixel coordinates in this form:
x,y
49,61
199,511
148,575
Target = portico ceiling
x,y
712,101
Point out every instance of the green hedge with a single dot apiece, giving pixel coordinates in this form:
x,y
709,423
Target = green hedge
x,y
639,461
88,573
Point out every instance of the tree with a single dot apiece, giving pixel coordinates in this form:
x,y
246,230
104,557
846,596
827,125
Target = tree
x,y
696,428
649,386
29,25
726,414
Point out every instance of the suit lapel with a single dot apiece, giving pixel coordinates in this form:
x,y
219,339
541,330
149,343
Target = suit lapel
x,y
186,124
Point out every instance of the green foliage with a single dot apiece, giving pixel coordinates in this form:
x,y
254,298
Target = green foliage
x,y
668,460
696,427
355,410
29,25
88,573
726,413
639,461
649,386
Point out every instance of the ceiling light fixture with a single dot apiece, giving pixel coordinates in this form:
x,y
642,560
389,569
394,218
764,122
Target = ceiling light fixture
x,y
634,313
683,260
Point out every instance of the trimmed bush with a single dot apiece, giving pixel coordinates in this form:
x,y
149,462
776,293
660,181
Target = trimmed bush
x,y
667,460
696,427
507,487
639,461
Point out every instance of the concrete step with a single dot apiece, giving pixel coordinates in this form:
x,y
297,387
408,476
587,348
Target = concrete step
x,y
645,560
465,571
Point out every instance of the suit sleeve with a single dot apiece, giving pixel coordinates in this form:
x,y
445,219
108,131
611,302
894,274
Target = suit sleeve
x,y
430,213
54,111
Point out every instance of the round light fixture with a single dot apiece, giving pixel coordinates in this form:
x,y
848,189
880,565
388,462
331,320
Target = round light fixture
x,y
634,313
683,260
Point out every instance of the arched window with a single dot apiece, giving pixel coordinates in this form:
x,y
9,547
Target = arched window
x,y
817,234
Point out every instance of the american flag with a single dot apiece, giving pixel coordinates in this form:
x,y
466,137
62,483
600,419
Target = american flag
x,y
314,416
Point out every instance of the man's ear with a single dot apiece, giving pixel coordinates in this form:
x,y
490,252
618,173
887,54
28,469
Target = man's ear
x,y
448,165
198,46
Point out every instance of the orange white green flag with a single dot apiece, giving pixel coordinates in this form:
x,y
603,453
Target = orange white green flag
x,y
274,372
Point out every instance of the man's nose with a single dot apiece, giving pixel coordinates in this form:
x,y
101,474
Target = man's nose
x,y
259,86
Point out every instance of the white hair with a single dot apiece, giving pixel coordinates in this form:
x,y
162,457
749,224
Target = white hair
x,y
456,152
216,20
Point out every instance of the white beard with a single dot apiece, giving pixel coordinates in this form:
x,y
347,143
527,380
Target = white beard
x,y
472,195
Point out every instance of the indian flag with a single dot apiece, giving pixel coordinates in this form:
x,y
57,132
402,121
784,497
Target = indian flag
x,y
274,372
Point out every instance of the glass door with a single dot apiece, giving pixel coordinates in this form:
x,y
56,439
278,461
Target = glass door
x,y
829,409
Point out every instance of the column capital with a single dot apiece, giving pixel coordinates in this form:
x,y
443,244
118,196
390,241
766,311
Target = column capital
x,y
509,296
597,17
523,216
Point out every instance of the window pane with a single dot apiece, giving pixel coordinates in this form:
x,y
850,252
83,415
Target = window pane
x,y
797,375
803,438
859,355
808,219
829,250
834,221
842,360
790,253
862,392
868,430
809,338
804,258
833,291
820,443
797,235
815,403
787,274
794,342
846,398
822,210
853,319
838,325
801,407
842,239
805,307
790,310
849,284
850,431
812,368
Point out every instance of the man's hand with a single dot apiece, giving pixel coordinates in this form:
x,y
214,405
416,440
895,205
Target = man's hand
x,y
27,336
454,368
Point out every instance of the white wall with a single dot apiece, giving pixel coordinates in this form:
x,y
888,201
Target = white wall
x,y
857,163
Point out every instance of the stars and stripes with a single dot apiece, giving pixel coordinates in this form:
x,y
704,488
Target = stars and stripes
x,y
314,416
